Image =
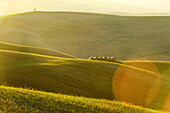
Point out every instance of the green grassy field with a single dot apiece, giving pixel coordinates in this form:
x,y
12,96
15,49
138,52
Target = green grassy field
x,y
42,51
94,79
24,100
83,35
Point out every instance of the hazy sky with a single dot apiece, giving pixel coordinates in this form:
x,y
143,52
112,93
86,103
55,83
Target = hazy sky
x,y
103,6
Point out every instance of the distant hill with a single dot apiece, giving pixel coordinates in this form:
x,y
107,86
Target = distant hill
x,y
139,14
84,34
154,14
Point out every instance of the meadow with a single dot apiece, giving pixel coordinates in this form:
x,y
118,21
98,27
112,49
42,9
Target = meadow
x,y
83,35
92,79
44,65
24,100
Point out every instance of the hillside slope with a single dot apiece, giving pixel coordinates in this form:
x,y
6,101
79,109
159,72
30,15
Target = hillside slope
x,y
22,100
83,35
93,79
42,51
54,74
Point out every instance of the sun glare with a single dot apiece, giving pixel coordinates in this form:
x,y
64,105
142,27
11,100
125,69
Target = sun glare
x,y
144,84
100,6
3,7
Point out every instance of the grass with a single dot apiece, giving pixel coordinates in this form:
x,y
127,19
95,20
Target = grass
x,y
83,35
36,50
32,62
59,75
93,79
23,100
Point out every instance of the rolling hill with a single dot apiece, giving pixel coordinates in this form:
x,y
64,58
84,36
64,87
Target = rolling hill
x,y
83,35
24,100
42,51
30,58
94,79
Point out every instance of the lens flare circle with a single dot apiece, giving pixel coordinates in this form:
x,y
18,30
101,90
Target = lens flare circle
x,y
137,82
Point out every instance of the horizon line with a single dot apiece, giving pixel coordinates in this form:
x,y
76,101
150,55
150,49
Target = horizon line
x,y
98,13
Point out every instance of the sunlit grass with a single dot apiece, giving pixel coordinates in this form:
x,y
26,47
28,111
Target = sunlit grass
x,y
24,100
83,35
32,50
145,83
83,77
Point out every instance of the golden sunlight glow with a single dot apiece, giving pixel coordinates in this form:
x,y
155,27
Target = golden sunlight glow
x,y
100,6
139,83
167,103
3,6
